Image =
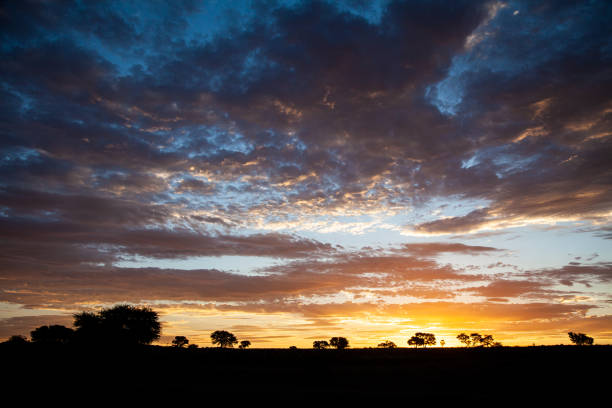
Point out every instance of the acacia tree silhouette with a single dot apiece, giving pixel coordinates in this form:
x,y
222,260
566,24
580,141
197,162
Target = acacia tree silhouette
x,y
180,341
339,342
223,338
422,339
121,324
476,339
416,341
387,344
320,344
464,338
580,339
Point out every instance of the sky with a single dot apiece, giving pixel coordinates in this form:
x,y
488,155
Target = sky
x,y
295,170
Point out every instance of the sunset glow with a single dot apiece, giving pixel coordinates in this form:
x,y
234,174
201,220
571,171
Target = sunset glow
x,y
296,170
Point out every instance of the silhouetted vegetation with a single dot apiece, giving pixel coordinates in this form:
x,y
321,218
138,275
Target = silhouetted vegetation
x,y
355,372
580,339
180,341
478,340
422,339
320,344
339,343
442,342
52,334
118,325
223,338
464,338
17,339
387,344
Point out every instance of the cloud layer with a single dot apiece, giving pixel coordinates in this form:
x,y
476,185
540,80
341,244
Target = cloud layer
x,y
181,130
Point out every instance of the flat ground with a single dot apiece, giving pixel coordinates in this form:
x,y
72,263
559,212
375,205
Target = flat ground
x,y
519,374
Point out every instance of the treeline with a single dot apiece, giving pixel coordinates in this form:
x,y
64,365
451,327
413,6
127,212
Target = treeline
x,y
131,325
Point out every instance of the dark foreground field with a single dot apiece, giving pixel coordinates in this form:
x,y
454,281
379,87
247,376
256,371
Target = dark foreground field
x,y
519,374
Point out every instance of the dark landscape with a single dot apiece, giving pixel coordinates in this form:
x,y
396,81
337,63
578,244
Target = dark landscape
x,y
546,373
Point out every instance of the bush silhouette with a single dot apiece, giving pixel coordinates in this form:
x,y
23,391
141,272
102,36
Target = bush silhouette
x,y
17,339
244,344
122,324
223,338
580,339
339,342
180,341
52,334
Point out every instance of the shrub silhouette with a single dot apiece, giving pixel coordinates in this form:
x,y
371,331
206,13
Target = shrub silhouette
x,y
121,324
244,344
580,339
52,334
223,338
422,339
339,342
17,339
180,341
192,346
320,344
387,344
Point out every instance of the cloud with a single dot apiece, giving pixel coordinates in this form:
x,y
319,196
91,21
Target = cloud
x,y
172,136
435,248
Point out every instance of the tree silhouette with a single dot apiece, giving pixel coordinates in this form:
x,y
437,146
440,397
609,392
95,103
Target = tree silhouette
x,y
387,344
464,338
442,342
416,341
476,339
422,339
487,341
320,344
52,334
580,339
339,342
180,341
244,344
121,324
223,338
